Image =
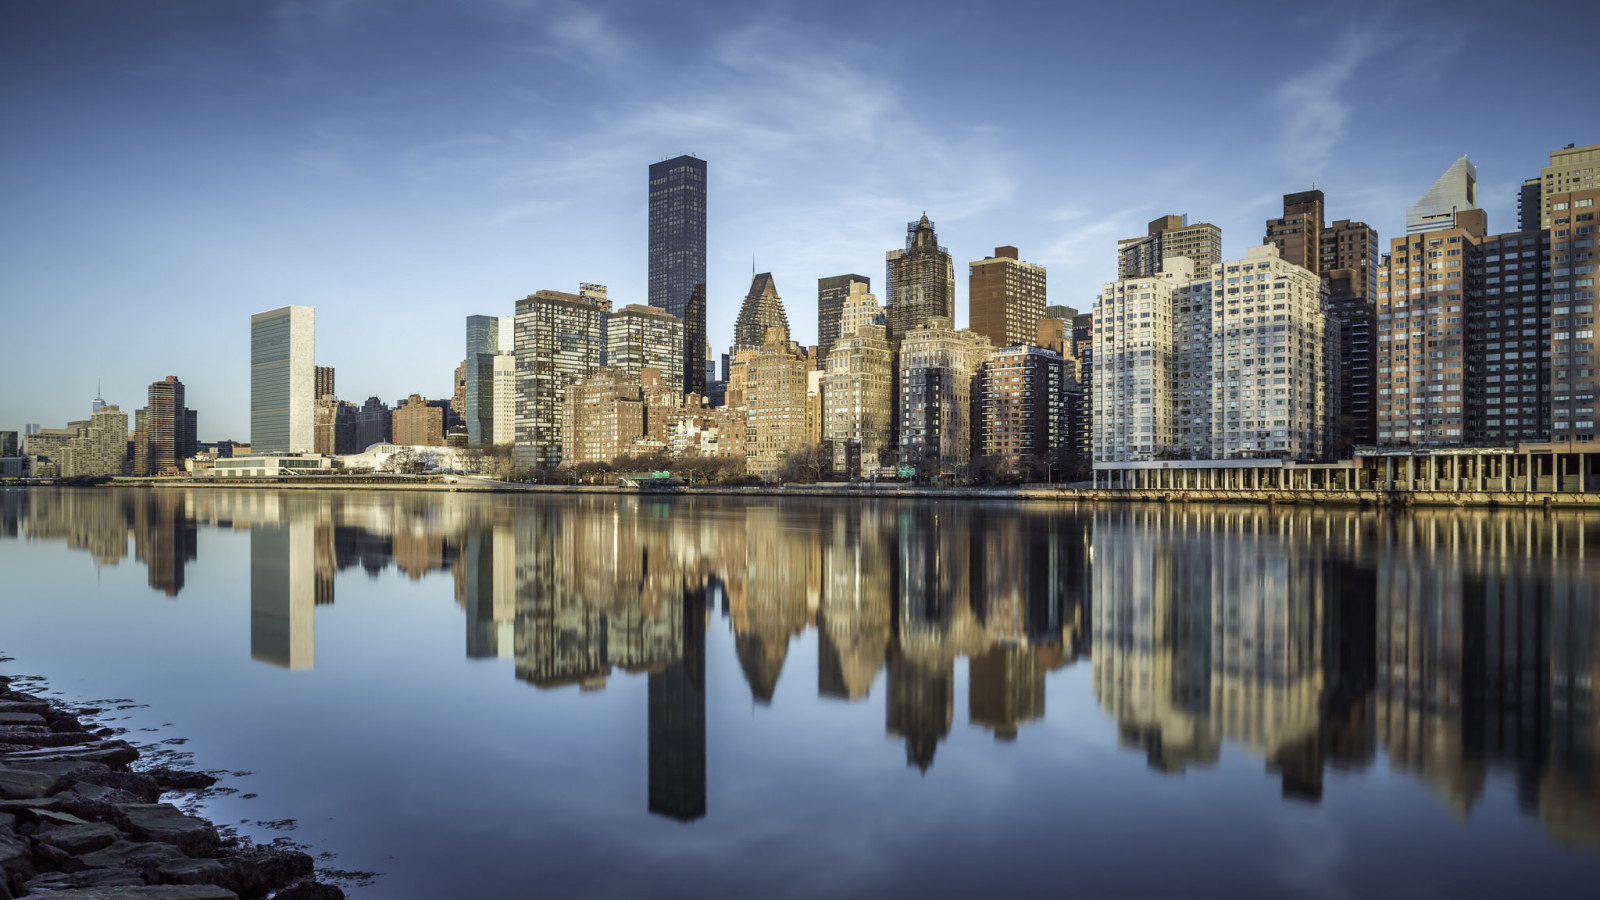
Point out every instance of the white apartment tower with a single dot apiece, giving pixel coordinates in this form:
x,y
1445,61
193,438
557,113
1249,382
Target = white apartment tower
x,y
283,380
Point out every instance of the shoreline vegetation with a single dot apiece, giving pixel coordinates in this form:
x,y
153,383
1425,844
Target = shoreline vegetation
x,y
78,821
883,489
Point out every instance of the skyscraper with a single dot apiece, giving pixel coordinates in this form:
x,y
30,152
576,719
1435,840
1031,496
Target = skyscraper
x,y
921,281
762,309
643,337
324,382
164,434
677,264
283,380
831,294
490,394
560,338
1005,298
1299,233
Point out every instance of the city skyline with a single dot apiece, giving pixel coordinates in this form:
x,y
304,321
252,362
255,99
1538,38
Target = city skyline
x,y
329,201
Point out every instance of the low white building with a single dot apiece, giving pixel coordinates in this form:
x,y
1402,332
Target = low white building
x,y
268,466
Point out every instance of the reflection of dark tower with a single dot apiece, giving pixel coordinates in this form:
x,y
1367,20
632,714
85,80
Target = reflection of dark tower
x,y
1350,662
921,700
166,541
678,722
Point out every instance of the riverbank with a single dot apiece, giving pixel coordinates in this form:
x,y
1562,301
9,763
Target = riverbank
x,y
78,821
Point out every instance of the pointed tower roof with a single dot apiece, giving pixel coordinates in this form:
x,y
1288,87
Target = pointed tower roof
x,y
762,309
1455,191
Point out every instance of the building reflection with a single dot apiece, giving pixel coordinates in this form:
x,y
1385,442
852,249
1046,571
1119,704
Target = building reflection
x,y
1456,647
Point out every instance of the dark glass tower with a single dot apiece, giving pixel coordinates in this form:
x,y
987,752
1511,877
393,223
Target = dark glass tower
x,y
678,256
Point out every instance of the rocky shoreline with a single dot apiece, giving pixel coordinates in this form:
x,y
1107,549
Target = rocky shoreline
x,y
77,822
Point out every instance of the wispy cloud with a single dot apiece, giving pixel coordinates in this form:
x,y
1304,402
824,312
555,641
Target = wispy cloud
x,y
1314,107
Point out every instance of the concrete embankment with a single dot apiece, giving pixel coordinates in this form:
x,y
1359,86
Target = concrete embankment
x,y
79,822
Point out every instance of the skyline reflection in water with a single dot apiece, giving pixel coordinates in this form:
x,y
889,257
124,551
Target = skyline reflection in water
x,y
1449,647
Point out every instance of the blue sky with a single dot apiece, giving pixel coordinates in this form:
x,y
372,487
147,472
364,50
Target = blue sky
x,y
170,168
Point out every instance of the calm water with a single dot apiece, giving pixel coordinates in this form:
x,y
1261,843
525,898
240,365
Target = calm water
x,y
639,697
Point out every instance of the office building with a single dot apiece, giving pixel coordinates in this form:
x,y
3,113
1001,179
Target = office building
x,y
677,256
560,339
323,381
1005,298
858,402
338,430
1082,421
1298,234
920,282
644,337
937,365
1167,238
489,398
1020,410
164,431
419,423
831,295
374,424
1455,191
283,380
8,443
774,391
762,310
101,447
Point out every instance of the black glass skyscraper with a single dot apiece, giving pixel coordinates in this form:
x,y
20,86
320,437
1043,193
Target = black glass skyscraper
x,y
678,256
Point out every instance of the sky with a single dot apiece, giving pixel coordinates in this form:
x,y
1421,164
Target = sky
x,y
169,167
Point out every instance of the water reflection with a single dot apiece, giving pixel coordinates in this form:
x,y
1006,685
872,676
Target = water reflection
x,y
1452,646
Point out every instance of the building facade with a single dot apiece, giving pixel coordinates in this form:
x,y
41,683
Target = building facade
x,y
283,380
560,339
164,431
1021,409
1005,298
831,295
937,364
418,423
1571,237
374,424
489,395
775,381
1169,237
677,256
762,310
858,400
602,416
644,337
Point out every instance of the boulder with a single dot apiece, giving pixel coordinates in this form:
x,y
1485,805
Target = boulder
x,y
56,881
281,867
62,768
237,875
115,754
310,890
165,822
145,892
21,718
37,707
79,839
130,855
180,780
20,784
99,793
147,789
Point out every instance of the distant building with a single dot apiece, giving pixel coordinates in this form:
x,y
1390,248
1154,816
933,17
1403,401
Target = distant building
x,y
1298,234
1455,191
560,339
490,391
8,443
374,424
418,423
324,382
677,256
164,431
1020,409
1572,170
1169,237
283,380
338,427
1572,228
775,384
644,337
920,282
102,447
1005,298
831,294
937,365
762,310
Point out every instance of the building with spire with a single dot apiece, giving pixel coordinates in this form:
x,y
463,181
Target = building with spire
x,y
1455,191
920,281
762,309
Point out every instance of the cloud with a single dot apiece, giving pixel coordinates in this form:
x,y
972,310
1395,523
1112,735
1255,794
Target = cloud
x,y
1315,112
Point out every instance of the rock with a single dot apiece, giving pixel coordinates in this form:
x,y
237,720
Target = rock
x,y
63,768
179,780
32,705
130,855
66,723
145,892
147,789
8,820
99,793
310,890
50,818
281,867
20,784
236,875
24,809
79,839
55,881
38,736
165,822
115,754
12,849
21,718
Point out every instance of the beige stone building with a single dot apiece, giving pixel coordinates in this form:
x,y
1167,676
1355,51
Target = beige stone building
x,y
101,448
417,423
1166,238
1005,298
1572,169
1572,268
602,417
858,400
644,337
937,365
775,398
